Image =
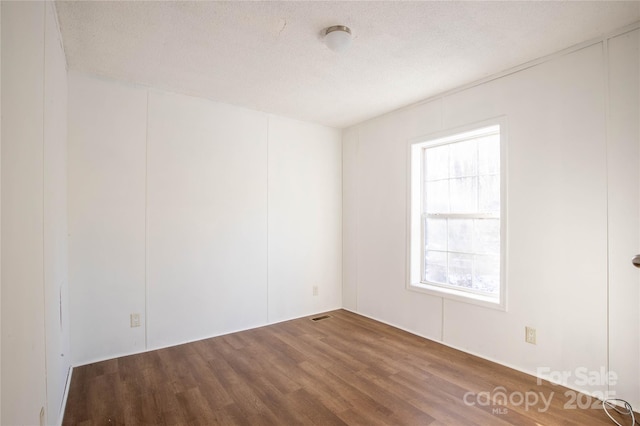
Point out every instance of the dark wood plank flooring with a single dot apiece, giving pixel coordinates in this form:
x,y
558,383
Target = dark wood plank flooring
x,y
346,369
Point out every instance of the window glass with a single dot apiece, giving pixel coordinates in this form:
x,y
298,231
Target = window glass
x,y
460,208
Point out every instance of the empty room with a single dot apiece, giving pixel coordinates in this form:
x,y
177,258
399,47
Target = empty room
x,y
319,213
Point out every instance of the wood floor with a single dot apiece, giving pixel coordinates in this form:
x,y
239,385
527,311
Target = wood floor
x,y
346,369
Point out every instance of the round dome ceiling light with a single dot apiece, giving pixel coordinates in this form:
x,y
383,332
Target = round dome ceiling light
x,y
338,38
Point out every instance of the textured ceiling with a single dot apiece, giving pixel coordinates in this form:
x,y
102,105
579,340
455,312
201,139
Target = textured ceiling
x,y
269,56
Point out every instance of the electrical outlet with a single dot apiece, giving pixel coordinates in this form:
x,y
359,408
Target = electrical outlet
x,y
135,320
530,335
316,291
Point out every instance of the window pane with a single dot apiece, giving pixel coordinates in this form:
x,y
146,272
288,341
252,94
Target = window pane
x,y
461,235
437,197
460,269
464,195
489,155
436,162
463,159
436,234
489,199
436,267
461,238
486,275
486,236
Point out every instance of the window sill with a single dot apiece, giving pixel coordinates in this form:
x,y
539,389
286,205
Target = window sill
x,y
459,296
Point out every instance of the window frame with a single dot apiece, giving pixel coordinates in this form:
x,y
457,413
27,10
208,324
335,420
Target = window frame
x,y
415,219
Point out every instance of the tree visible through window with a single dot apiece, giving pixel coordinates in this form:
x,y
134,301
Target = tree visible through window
x,y
460,211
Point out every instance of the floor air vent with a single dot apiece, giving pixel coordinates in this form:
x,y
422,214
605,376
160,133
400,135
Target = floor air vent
x,y
323,317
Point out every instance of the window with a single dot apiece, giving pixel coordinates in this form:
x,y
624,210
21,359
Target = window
x,y
457,224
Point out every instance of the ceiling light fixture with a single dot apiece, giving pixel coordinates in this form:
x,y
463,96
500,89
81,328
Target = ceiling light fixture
x,y
338,38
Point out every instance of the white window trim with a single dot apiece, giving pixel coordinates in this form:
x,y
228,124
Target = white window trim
x,y
414,218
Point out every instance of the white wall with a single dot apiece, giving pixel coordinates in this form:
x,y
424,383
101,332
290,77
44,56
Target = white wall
x,y
623,152
0,214
107,131
23,357
182,210
556,114
33,214
350,204
207,229
305,235
56,277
